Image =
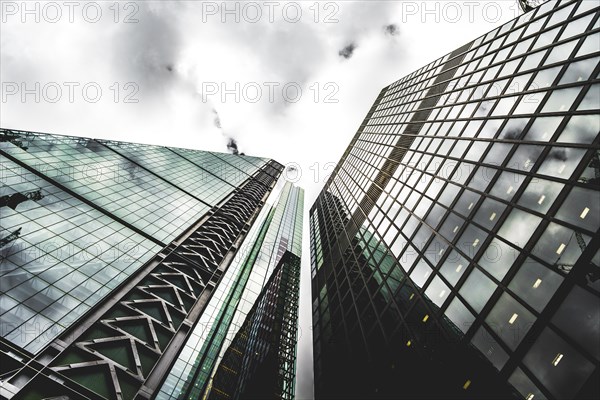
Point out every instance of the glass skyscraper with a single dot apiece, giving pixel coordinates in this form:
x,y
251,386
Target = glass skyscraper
x,y
271,251
115,257
454,249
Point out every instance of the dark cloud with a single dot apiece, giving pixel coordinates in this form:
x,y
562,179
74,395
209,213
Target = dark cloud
x,y
233,147
347,51
391,29
559,154
512,134
217,120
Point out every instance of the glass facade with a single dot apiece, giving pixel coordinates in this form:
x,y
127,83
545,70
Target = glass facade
x,y
111,253
279,231
457,240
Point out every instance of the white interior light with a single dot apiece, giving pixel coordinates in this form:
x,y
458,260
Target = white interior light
x,y
557,359
476,242
529,396
541,200
492,216
442,293
537,283
561,248
510,189
459,267
584,213
562,168
513,318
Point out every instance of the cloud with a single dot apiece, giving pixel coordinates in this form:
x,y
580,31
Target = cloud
x,y
217,120
232,146
391,29
347,51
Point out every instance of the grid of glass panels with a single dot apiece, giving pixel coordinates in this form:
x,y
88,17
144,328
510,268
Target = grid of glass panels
x,y
66,256
165,163
284,233
217,166
112,182
493,205
61,254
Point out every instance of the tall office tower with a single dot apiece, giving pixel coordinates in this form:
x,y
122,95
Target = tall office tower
x,y
253,315
111,254
454,249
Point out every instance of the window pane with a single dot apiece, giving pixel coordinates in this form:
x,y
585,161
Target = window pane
x,y
581,129
497,258
460,315
557,365
510,320
524,385
490,348
540,194
581,208
477,289
579,317
518,227
535,283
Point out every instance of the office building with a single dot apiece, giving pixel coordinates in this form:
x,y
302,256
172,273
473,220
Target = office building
x,y
111,255
245,318
454,249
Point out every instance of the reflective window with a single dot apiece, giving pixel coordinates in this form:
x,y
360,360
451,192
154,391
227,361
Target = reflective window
x,y
576,27
561,162
507,184
476,151
454,267
535,284
579,71
581,208
581,129
557,365
437,291
579,317
591,101
497,258
518,227
460,315
544,78
477,289
510,320
543,128
525,386
525,157
497,153
540,194
420,273
513,128
561,246
561,100
561,52
466,204
490,348
489,213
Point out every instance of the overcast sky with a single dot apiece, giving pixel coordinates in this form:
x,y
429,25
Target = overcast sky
x,y
289,81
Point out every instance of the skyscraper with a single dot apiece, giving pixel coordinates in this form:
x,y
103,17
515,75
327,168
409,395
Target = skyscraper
x,y
264,277
454,249
113,253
